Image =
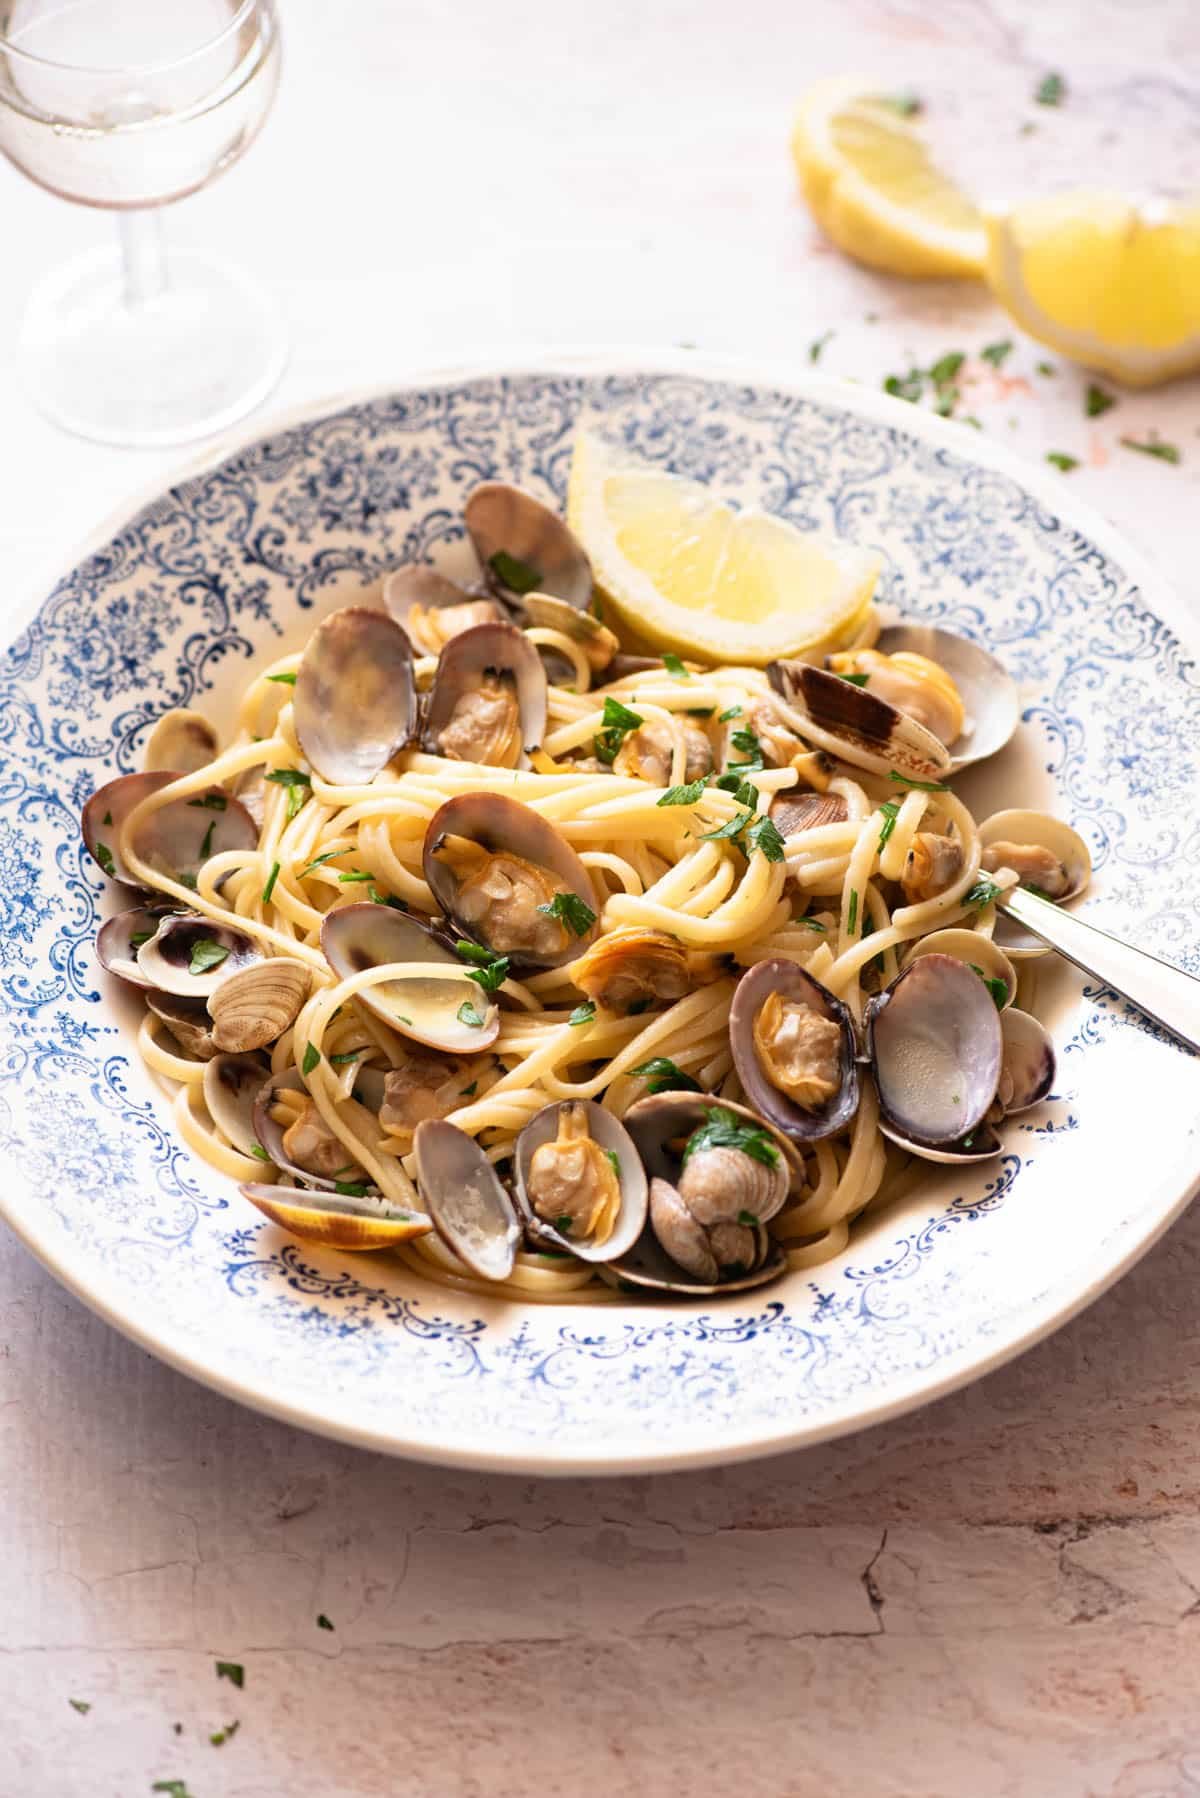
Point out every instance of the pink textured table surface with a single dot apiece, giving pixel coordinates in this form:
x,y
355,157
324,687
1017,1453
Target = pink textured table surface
x,y
997,1597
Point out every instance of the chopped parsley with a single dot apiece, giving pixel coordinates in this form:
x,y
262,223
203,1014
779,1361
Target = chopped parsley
x,y
747,1220
743,790
856,680
320,862
232,1671
729,831
723,1129
350,1189
904,102
810,924
582,1014
139,937
663,1076
468,1092
219,1737
852,915
490,970
921,786
817,345
1096,402
572,911
206,845
638,1007
984,892
995,987
108,817
206,954
946,367
378,898
616,724
352,875
174,1788
685,795
940,378
891,811
285,680
905,387
700,711
1166,452
323,1621
312,1056
257,1149
272,877
511,572
104,856
1051,90
340,1061
563,1224
733,711
468,1014
747,743
208,802
298,787
1064,463
996,353
614,1161
764,836
674,665
79,1704
1045,368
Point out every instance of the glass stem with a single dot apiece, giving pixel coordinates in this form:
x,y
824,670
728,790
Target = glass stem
x,y
143,255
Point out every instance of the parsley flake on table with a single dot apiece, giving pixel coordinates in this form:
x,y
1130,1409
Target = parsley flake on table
x,y
174,1788
1096,402
1051,90
1165,452
232,1671
1060,461
997,353
323,1621
817,346
219,1737
79,1704
905,102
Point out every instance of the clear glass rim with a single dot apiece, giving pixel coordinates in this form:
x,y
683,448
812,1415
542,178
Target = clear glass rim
x,y
12,49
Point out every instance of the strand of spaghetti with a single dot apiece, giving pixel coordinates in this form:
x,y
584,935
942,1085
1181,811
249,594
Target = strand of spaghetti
x,y
819,1249
200,1134
908,820
859,1178
545,638
163,1061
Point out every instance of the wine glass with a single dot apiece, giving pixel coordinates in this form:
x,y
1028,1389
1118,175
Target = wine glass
x,y
129,104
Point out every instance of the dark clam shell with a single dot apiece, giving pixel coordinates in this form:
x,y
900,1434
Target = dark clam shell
x,y
356,937
1028,1064
935,1044
114,947
232,1084
506,522
355,699
857,725
175,840
470,1209
791,982
165,961
464,663
612,1136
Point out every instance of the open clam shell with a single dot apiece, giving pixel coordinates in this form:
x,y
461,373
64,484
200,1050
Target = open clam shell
x,y
183,740
989,693
232,1084
182,944
355,699
417,585
1028,1062
176,840
1040,830
856,725
524,546
661,1120
976,950
117,941
466,1200
797,1122
614,1139
187,1020
469,660
431,1009
256,1004
336,1220
935,1044
270,1133
599,644
649,1267
794,813
499,826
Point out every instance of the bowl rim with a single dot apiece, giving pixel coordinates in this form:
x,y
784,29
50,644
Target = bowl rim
x,y
1045,1312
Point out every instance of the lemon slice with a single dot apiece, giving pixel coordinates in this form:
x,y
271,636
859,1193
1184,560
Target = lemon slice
x,y
686,572
873,188
1103,280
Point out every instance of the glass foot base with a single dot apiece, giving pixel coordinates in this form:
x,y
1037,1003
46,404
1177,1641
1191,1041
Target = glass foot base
x,y
194,358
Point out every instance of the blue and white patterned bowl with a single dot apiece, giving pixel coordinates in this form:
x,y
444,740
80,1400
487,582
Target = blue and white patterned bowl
x,y
239,562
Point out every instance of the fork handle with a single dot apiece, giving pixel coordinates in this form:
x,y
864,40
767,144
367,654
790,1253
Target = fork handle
x,y
1163,992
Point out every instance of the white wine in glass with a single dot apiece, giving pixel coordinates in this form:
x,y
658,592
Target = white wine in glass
x,y
127,105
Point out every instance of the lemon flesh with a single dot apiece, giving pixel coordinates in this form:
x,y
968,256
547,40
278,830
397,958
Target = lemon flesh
x,y
685,572
1103,280
873,187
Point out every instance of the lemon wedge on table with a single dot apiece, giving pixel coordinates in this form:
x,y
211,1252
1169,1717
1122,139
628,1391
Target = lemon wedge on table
x,y
874,188
687,573
1103,280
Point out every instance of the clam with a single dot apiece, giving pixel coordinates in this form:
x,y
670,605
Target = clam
x,y
488,700
1047,856
935,1044
355,699
718,1174
991,700
337,1220
183,740
794,813
1028,1063
524,546
580,1183
452,1014
433,609
628,970
509,880
425,1086
232,1084
176,840
120,937
977,951
284,1143
191,957
649,1267
187,1020
598,642
467,1202
854,724
255,1005
795,1050
647,752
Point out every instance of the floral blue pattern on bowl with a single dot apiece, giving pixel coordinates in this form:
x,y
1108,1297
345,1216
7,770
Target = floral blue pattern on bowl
x,y
238,563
